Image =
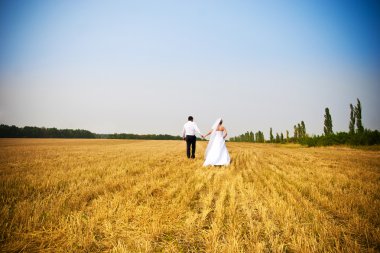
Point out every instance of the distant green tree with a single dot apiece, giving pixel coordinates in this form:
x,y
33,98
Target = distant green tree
x,y
352,119
328,128
287,136
303,129
277,138
271,135
251,137
282,138
259,137
299,131
246,136
295,133
358,116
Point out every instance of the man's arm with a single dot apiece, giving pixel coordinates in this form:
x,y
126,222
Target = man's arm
x,y
183,132
197,130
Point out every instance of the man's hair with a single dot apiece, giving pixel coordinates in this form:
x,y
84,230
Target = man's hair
x,y
221,122
190,118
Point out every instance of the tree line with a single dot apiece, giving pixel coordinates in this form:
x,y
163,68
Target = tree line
x,y
42,132
249,137
357,134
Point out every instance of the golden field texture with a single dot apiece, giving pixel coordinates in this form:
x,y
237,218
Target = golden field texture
x,y
144,196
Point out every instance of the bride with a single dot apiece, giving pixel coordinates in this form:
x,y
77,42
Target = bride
x,y
216,151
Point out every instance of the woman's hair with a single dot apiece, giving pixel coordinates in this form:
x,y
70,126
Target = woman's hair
x,y
221,122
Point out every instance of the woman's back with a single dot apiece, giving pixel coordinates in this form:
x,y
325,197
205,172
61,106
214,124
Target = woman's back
x,y
220,128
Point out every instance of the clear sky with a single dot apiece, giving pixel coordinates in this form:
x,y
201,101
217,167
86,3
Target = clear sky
x,y
144,66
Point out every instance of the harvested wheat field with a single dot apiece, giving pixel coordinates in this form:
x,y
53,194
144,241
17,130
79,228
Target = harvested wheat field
x,y
62,195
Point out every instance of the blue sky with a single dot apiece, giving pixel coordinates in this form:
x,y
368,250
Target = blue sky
x,y
144,66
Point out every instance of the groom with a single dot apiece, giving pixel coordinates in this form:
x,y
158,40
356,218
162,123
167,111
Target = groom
x,y
188,134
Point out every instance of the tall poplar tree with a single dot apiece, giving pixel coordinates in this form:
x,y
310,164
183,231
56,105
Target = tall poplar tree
x,y
358,114
299,131
328,123
303,127
352,119
277,138
271,135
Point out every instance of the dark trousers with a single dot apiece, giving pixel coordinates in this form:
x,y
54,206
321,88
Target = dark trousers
x,y
190,142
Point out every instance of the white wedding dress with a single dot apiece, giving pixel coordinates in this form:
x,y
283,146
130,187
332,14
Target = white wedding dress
x,y
216,152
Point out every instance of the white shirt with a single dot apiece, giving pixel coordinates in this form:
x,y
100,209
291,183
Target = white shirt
x,y
190,128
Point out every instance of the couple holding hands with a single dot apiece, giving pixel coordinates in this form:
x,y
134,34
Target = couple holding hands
x,y
216,151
